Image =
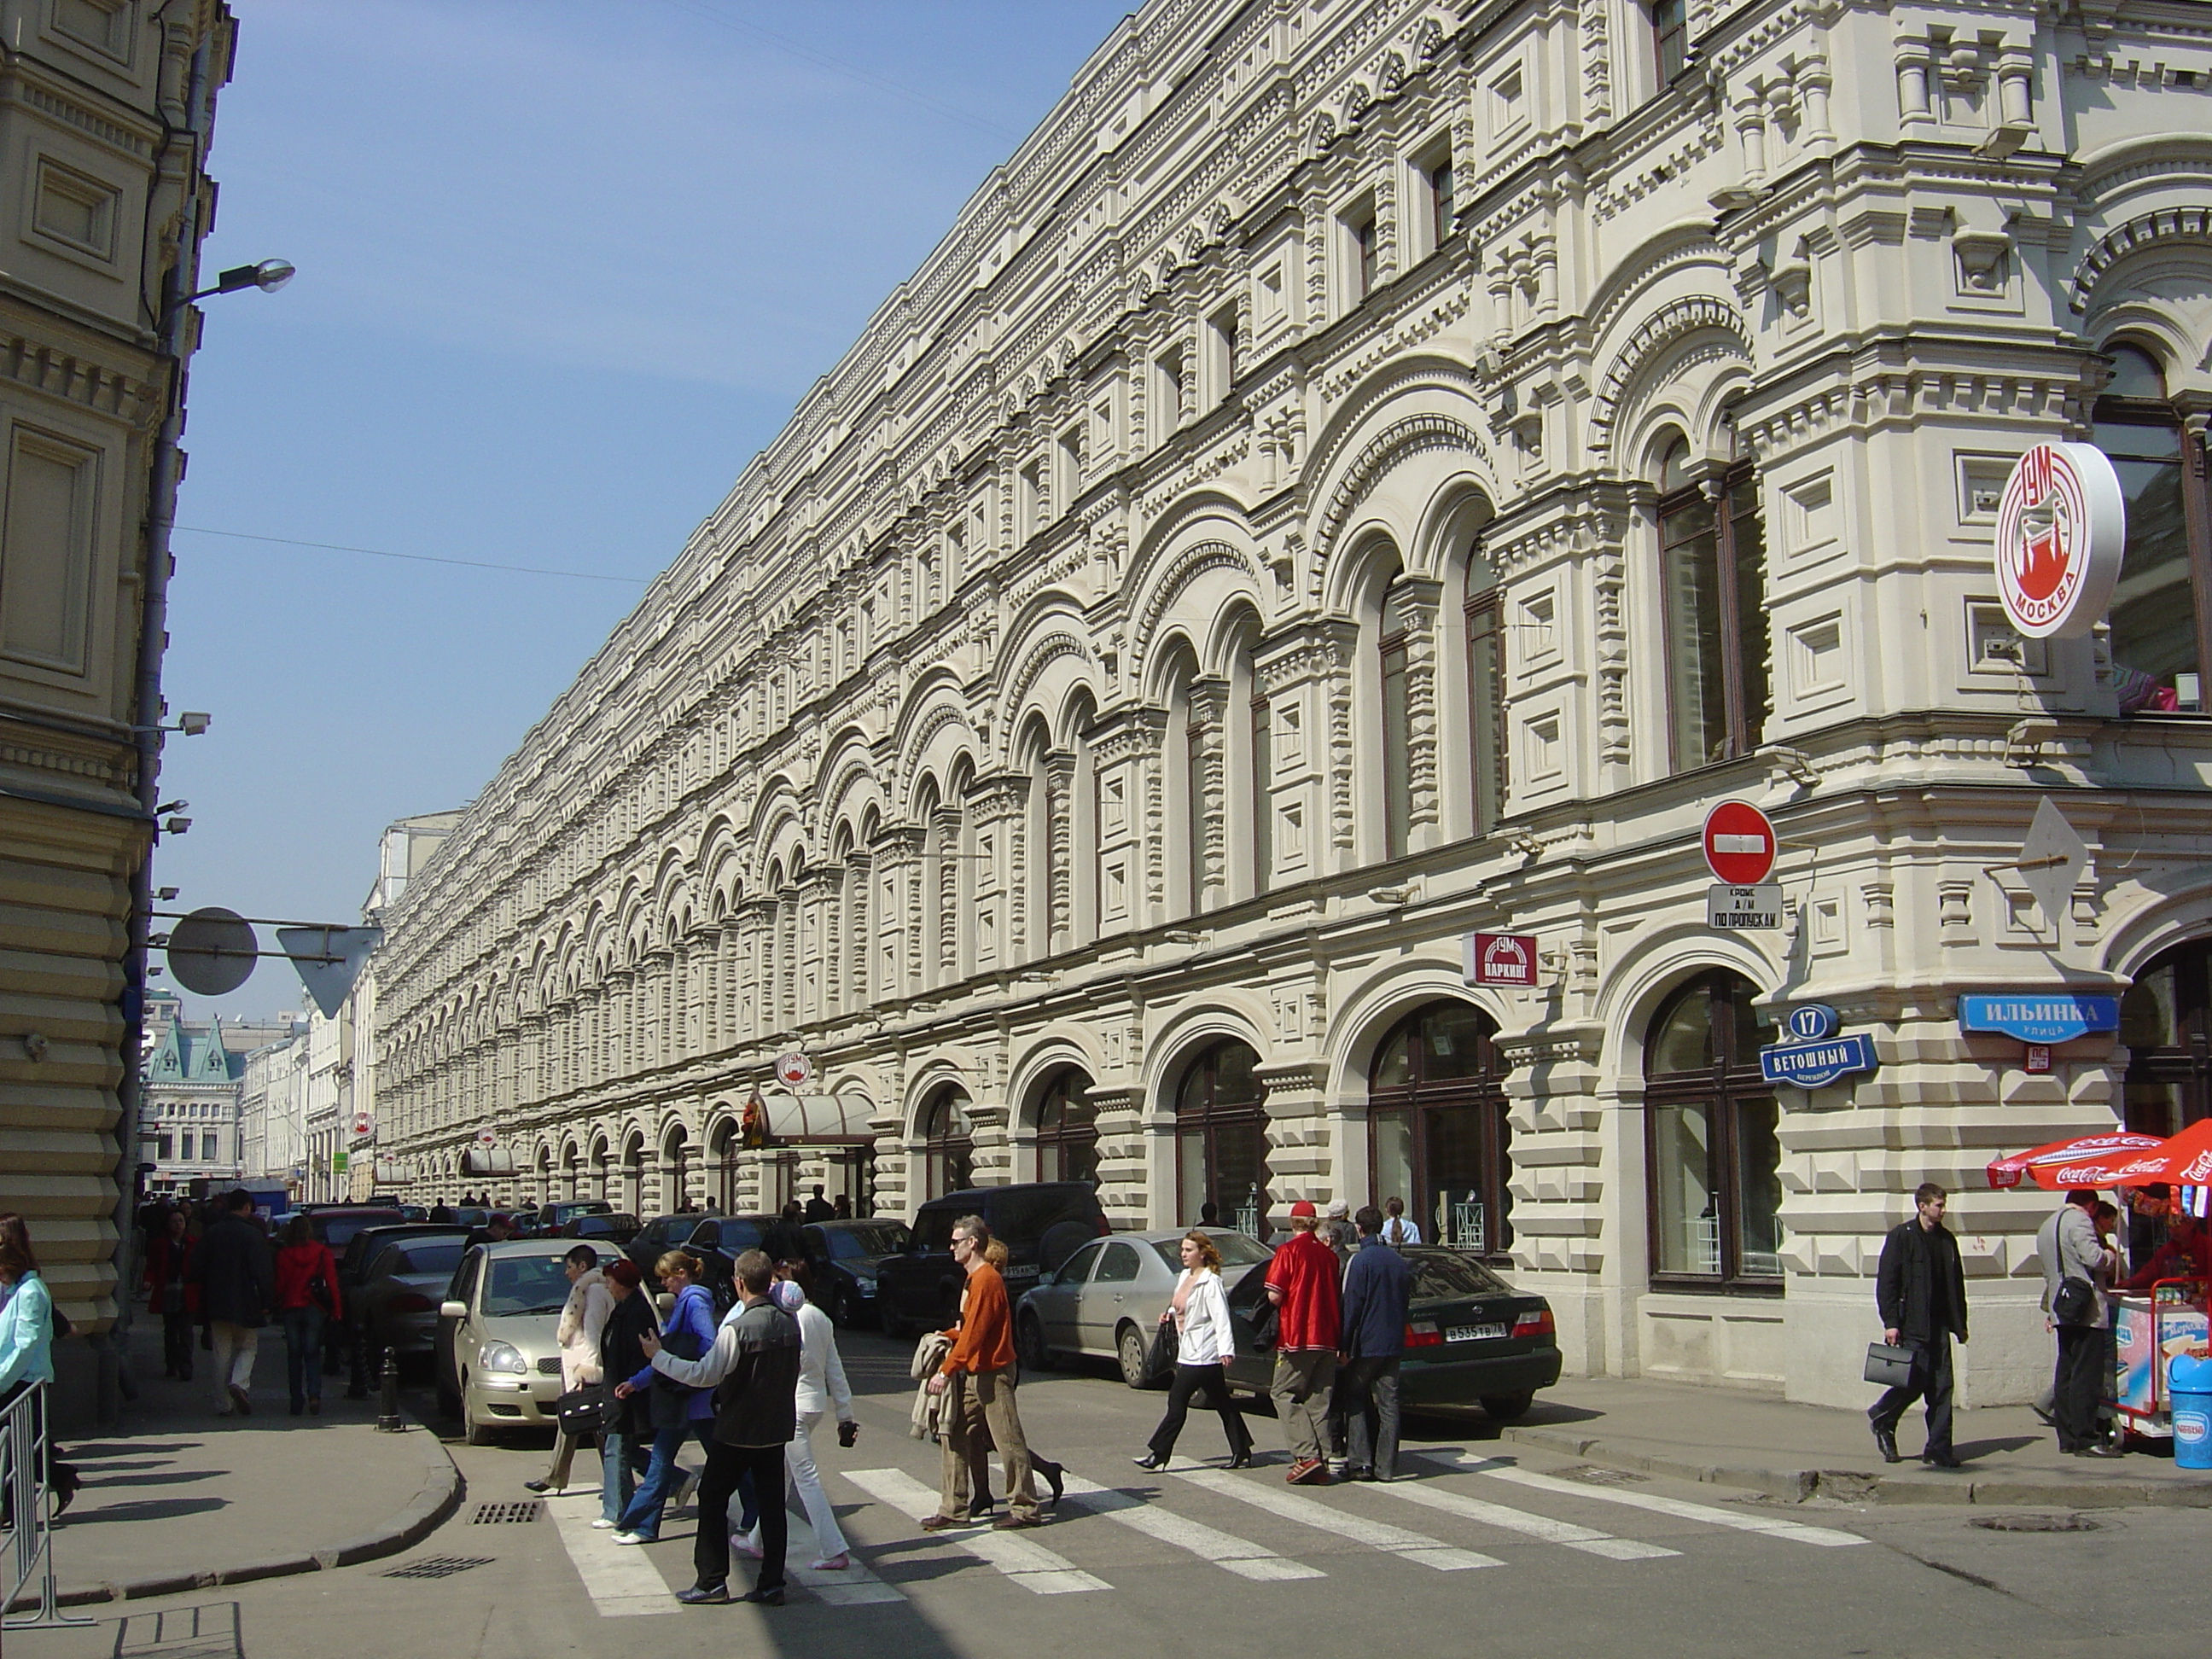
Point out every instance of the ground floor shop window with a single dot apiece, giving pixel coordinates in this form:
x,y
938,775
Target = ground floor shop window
x,y
1221,1141
2165,1021
1712,1142
948,1148
1436,1128
1068,1131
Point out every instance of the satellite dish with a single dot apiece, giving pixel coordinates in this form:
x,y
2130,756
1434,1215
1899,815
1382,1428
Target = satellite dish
x,y
212,950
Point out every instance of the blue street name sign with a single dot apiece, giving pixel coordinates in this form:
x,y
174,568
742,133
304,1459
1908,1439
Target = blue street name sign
x,y
2039,1016
1814,1064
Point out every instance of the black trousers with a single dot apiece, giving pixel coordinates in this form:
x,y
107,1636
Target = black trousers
x,y
177,1345
1931,1380
2078,1384
710,1550
1371,1409
1209,1381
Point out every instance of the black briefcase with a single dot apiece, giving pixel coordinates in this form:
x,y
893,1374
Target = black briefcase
x,y
1888,1366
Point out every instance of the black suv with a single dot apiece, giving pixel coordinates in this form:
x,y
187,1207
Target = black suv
x,y
844,1258
1041,1224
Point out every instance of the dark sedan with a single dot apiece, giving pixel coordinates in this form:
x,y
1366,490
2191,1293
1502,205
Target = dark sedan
x,y
1471,1339
843,1256
603,1228
395,1305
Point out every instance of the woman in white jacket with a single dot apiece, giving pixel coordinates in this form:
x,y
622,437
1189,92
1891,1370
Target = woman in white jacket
x,y
1204,1340
821,1386
583,1316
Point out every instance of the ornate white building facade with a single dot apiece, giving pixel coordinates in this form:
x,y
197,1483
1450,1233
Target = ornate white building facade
x,y
1368,471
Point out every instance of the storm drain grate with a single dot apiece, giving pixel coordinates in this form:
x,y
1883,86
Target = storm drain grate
x,y
494,1514
2035,1524
440,1566
1593,1474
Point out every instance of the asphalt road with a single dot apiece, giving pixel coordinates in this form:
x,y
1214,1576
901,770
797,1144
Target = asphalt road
x,y
1492,1549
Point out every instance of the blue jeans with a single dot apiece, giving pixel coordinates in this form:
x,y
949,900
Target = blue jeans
x,y
641,1515
303,1353
617,1473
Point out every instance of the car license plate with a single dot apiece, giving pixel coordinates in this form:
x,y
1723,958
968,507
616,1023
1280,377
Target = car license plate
x,y
1473,1333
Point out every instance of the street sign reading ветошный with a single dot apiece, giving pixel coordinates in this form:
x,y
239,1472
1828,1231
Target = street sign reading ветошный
x,y
1744,909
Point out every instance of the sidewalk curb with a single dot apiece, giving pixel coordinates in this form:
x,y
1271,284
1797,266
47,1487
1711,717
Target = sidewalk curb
x,y
438,1497
1863,1486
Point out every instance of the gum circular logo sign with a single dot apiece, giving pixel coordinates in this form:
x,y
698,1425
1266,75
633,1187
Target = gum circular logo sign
x,y
2062,528
1739,843
792,1069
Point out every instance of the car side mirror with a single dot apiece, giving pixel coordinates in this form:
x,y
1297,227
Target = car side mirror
x,y
452,1310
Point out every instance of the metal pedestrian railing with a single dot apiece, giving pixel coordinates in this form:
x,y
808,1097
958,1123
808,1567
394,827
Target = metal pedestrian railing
x,y
27,1521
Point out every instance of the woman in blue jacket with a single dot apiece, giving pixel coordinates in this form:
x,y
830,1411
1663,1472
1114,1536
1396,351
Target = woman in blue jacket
x,y
26,1336
679,1414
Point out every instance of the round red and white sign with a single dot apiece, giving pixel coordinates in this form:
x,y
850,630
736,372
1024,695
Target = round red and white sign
x,y
1739,843
793,1069
486,1138
2062,531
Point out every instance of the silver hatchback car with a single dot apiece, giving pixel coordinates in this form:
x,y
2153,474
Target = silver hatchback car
x,y
1107,1297
498,1364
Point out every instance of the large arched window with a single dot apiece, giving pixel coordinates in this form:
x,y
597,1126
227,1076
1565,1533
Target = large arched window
x,y
723,1143
1221,1140
1712,565
1068,1130
2162,609
1710,1139
1436,1130
2166,1020
948,1150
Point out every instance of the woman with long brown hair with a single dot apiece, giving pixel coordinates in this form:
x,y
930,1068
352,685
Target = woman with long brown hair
x,y
1204,1340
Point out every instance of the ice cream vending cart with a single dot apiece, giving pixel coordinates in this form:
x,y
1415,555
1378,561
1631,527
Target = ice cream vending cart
x,y
2149,1329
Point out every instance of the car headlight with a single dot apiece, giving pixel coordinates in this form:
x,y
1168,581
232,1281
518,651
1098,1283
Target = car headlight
x,y
503,1357
864,1283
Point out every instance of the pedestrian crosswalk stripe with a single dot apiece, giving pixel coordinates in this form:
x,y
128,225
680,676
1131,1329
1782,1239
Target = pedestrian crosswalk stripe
x,y
1233,1554
1796,1531
1028,1564
1588,1540
848,1586
1414,1546
623,1583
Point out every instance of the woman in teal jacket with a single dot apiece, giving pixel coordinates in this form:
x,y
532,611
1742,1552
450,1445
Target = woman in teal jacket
x,y
26,1336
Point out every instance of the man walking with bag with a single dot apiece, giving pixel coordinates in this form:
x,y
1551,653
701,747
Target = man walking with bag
x,y
1920,1289
1302,1284
2074,1263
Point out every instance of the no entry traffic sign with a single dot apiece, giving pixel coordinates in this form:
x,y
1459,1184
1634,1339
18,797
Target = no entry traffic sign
x,y
1739,843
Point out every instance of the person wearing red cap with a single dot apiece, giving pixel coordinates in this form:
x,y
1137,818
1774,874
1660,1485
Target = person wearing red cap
x,y
1302,1284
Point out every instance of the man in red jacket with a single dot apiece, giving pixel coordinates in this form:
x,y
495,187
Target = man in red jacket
x,y
978,1382
1302,1284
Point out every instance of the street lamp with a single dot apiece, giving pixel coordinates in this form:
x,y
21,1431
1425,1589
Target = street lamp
x,y
268,275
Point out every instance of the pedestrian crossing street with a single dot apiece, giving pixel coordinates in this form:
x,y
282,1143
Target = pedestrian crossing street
x,y
1287,1534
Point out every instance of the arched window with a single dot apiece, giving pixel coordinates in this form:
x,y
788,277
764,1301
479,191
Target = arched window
x,y
2166,1020
633,1176
1436,1129
1711,1125
948,1150
1397,728
2162,609
1712,567
1486,688
1068,1130
722,1145
1221,1140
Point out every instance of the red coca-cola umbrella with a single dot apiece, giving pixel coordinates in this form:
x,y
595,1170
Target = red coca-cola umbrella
x,y
2182,1160
2009,1172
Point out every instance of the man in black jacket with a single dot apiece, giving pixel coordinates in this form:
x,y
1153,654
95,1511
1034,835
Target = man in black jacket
x,y
237,1283
754,1360
1920,1289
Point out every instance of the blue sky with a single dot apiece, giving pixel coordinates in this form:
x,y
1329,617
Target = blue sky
x,y
563,270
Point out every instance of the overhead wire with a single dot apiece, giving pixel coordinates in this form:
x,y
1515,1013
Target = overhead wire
x,y
416,558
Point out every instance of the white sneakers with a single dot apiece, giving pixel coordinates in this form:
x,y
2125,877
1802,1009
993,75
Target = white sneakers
x,y
631,1538
602,1524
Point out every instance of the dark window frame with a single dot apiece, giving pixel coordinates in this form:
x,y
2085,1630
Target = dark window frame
x,y
2186,1065
1066,1148
1207,1117
1421,1099
945,1150
1443,207
1488,761
1732,1081
1733,497
1670,39
2195,491
1366,238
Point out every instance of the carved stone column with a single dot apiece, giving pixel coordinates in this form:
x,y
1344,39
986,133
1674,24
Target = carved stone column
x,y
898,856
859,873
1418,602
1000,806
946,824
1126,752
1057,855
1209,726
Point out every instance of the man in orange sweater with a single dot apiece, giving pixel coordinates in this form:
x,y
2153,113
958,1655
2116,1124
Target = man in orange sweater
x,y
977,1380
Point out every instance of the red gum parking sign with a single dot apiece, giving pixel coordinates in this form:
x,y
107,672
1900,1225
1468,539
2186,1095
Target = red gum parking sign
x,y
1739,843
1502,959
